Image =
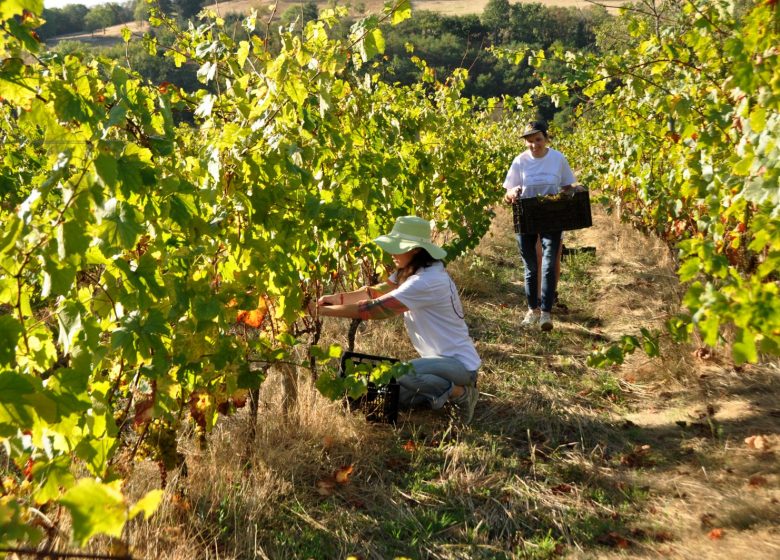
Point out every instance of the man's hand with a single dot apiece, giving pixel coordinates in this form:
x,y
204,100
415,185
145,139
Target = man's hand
x,y
511,195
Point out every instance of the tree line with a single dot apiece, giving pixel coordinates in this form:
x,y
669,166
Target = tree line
x,y
445,42
78,18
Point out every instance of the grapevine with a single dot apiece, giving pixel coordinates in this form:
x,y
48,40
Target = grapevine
x,y
147,266
680,131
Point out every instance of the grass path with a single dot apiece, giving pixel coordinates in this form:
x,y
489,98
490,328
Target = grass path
x,y
644,460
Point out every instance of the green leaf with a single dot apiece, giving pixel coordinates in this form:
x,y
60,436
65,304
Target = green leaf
x,y
106,167
68,105
374,43
10,330
24,35
758,119
72,239
650,343
402,12
95,508
10,8
69,319
15,523
126,34
121,224
23,400
54,477
744,347
330,385
12,228
57,280
689,270
296,89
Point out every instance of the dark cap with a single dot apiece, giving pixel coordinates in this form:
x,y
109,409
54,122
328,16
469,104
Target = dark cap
x,y
535,126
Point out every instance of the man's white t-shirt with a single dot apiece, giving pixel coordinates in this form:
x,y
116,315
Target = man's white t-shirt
x,y
539,176
435,318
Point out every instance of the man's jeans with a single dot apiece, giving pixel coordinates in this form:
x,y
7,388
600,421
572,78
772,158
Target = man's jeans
x,y
432,381
551,241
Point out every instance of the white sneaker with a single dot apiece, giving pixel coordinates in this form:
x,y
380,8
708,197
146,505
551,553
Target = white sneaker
x,y
531,318
545,321
466,404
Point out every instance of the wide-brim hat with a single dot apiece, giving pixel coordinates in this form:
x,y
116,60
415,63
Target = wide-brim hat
x,y
410,232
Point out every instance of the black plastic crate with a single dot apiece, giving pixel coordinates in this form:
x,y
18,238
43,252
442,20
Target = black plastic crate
x,y
380,403
561,212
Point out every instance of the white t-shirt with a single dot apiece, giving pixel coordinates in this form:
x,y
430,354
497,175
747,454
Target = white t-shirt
x,y
539,176
435,318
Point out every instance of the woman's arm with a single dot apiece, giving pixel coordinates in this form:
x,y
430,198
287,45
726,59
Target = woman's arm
x,y
381,308
366,292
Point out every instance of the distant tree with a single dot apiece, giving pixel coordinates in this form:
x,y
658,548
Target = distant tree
x,y
63,21
141,10
100,17
495,17
303,13
186,9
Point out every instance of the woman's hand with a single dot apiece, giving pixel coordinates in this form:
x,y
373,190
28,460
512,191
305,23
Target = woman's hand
x,y
511,195
330,299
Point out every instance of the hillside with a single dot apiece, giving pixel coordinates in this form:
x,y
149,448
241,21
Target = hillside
x,y
111,35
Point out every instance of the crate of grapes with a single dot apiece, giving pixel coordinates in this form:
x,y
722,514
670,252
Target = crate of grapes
x,y
560,212
380,403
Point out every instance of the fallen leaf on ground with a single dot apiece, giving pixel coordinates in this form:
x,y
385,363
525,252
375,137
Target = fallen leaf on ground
x,y
757,442
615,539
716,534
342,475
562,489
756,480
325,486
410,446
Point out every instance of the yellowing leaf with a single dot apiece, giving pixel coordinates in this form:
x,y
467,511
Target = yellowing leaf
x,y
402,12
95,508
148,504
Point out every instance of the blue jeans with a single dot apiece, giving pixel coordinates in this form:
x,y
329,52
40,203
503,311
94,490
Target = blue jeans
x,y
432,381
551,241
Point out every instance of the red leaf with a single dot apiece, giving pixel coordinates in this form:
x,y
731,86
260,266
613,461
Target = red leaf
x,y
28,468
716,534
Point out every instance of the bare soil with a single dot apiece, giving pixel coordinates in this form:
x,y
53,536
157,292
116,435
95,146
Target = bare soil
x,y
714,491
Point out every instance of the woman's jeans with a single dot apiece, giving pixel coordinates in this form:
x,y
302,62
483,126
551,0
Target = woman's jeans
x,y
551,241
432,381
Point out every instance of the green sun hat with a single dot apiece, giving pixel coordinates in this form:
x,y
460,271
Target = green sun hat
x,y
408,233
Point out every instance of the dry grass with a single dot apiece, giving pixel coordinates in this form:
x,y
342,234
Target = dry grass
x,y
561,460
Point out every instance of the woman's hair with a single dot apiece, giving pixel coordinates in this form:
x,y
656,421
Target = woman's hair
x,y
421,259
